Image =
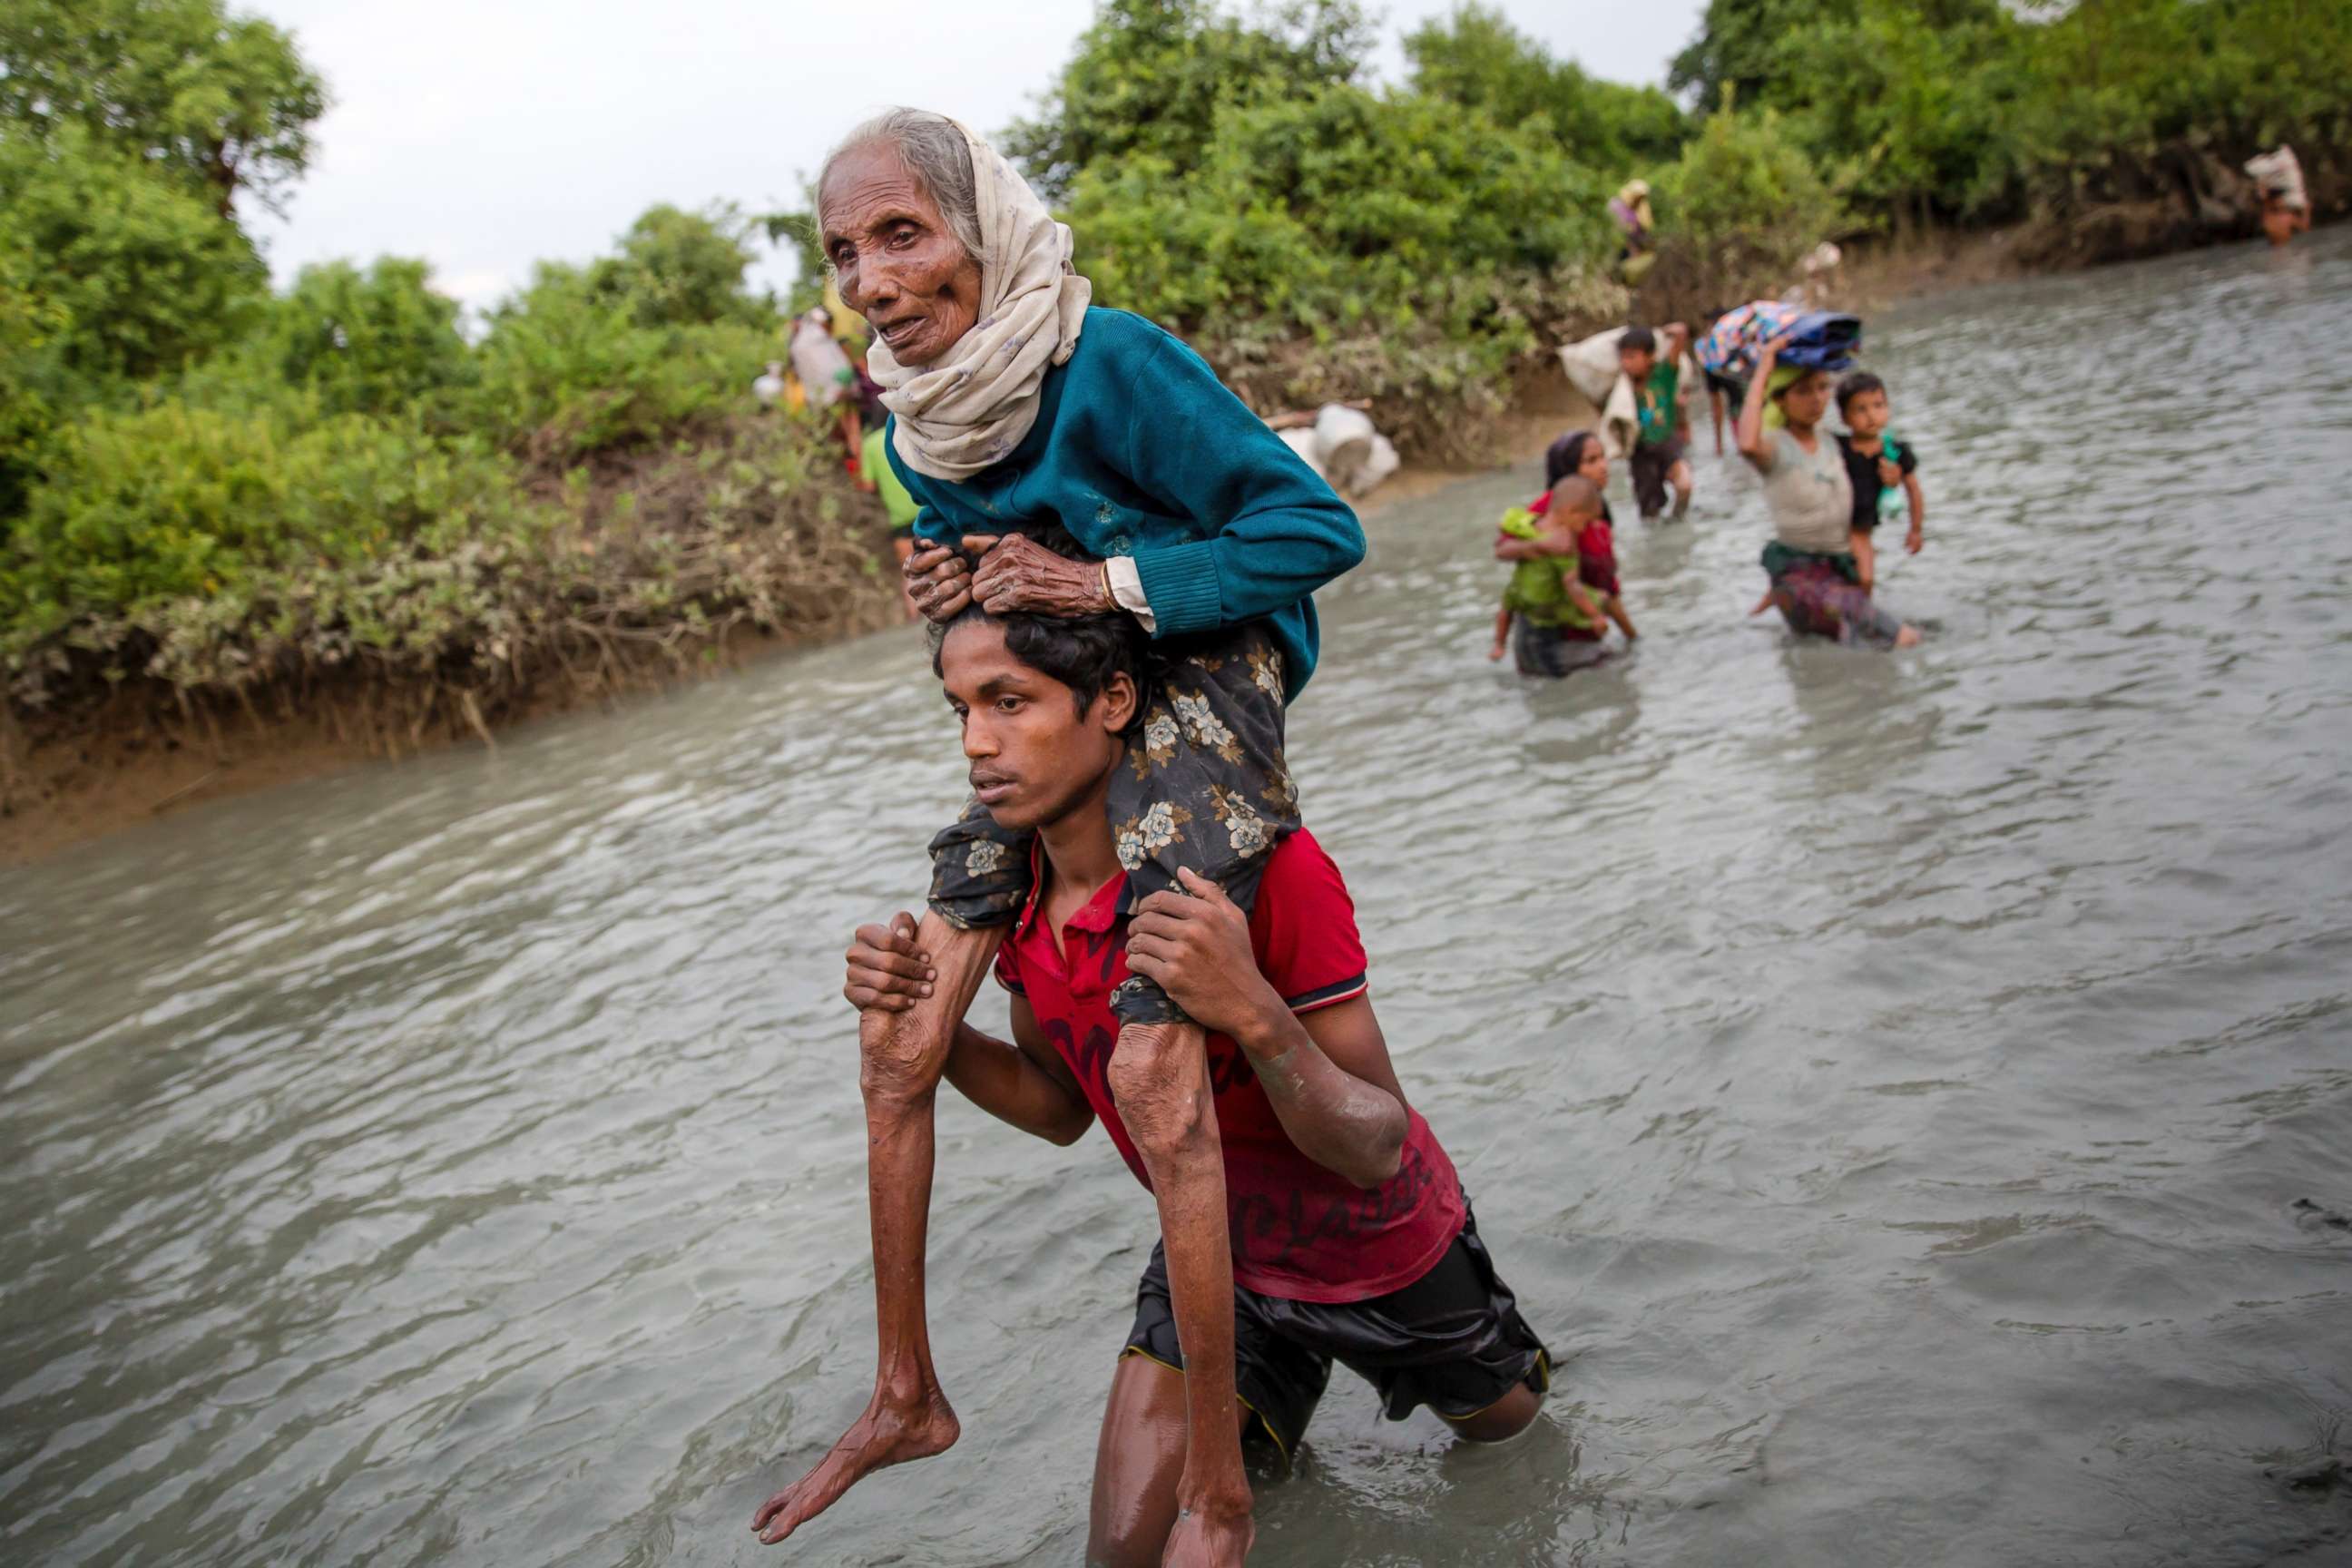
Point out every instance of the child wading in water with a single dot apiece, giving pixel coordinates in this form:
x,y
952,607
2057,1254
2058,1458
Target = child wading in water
x,y
1657,461
1563,591
1886,473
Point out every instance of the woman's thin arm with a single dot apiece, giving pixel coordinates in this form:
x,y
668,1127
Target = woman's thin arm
x,y
1751,433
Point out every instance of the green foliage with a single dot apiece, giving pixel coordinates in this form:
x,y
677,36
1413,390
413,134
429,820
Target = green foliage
x,y
224,102
571,368
377,342
1151,77
140,507
1744,46
1476,58
1741,206
678,268
1350,243
145,274
30,323
1977,111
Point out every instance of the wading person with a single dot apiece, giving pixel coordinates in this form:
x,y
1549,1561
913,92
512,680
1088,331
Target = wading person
x,y
1563,587
1352,1240
1657,461
1016,409
1816,583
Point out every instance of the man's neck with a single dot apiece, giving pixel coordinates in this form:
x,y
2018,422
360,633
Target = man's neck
x,y
1080,853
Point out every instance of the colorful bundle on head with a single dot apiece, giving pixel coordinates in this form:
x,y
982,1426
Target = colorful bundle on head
x,y
1818,339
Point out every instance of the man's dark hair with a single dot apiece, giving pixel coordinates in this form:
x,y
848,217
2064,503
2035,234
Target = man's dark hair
x,y
1854,386
1638,338
1082,652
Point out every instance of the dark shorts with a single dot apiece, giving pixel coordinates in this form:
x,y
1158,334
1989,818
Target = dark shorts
x,y
1731,386
1205,786
1452,1339
1650,465
1549,651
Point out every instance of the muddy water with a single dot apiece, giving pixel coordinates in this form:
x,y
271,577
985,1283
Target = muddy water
x,y
1887,1082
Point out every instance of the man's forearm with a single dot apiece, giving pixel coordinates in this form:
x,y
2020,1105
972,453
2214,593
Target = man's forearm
x,y
997,1077
1348,1126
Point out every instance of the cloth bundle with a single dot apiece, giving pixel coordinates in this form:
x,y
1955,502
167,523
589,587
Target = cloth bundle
x,y
1346,448
1592,367
1818,339
2279,173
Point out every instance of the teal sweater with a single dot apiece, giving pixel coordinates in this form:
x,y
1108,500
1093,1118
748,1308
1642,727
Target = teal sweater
x,y
1140,450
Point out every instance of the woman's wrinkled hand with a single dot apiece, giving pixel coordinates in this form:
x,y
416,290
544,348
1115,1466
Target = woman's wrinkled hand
x,y
885,971
939,581
1017,576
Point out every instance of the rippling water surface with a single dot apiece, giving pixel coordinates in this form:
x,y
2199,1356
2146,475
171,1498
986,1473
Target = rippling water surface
x,y
1887,1082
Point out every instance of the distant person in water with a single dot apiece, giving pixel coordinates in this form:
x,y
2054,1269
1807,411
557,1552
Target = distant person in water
x,y
1653,361
1352,1239
1816,584
2286,203
1557,607
1884,472
1017,410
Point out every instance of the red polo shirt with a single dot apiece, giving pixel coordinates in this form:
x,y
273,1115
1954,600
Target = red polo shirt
x,y
1299,1231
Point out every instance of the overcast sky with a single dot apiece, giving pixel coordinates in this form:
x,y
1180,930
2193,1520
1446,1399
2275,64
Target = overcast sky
x,y
487,134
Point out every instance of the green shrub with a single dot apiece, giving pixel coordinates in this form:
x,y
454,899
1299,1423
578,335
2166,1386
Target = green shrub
x,y
1740,209
378,341
565,373
1356,244
1476,58
139,508
147,276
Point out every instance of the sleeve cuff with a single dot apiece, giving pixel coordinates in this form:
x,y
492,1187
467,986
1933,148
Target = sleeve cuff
x,y
1127,589
1181,584
1328,996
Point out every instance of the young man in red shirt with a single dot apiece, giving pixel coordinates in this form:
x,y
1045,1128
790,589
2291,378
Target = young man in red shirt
x,y
1351,1238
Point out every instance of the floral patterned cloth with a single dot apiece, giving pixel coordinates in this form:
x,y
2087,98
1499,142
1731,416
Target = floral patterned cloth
x,y
1205,786
1818,596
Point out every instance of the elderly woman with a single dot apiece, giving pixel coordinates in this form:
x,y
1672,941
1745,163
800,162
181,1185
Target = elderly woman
x,y
1020,411
1816,583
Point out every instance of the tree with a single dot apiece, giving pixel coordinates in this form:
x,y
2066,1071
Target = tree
x,y
365,343
1741,207
30,323
147,276
223,101
678,269
1149,76
1476,58
1742,45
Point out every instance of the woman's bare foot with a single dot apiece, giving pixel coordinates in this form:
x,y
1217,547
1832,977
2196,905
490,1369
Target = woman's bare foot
x,y
1907,638
889,1433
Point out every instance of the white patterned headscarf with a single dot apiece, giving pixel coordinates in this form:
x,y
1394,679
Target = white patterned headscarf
x,y
968,409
